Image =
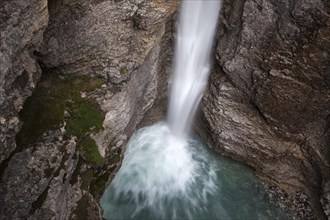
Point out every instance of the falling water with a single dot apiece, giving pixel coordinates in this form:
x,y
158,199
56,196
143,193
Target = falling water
x,y
165,174
192,65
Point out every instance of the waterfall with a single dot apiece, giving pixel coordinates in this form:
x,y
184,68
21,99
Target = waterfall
x,y
166,174
192,64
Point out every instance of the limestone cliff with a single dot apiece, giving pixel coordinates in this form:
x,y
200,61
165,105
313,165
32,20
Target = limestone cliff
x,y
100,61
268,101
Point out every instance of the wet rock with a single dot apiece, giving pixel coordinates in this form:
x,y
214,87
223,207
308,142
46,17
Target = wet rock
x,y
127,107
268,100
118,40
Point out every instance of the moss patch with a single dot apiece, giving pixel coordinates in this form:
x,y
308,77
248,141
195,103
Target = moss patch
x,y
86,178
101,181
57,99
83,204
89,150
115,159
43,111
98,184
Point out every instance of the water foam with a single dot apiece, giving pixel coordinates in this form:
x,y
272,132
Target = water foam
x,y
160,171
165,178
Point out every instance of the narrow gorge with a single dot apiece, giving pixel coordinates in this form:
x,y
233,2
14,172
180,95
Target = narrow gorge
x,y
78,78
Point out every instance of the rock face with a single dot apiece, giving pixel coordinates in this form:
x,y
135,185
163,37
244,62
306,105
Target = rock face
x,y
268,102
22,24
118,41
37,182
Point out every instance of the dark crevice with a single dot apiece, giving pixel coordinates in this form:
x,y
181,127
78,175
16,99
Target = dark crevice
x,y
39,202
256,107
4,164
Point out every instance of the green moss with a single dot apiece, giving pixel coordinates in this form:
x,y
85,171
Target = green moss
x,y
81,211
84,117
98,184
102,180
122,71
86,178
89,150
115,159
45,109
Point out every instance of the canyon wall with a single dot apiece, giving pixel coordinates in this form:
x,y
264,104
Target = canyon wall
x,y
22,24
268,101
105,69
101,65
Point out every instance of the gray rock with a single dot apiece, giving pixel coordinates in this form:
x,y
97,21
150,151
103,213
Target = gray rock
x,y
37,181
269,97
118,40
22,24
108,38
325,200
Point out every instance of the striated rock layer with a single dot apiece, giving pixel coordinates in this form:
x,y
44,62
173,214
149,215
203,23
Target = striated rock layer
x,y
268,101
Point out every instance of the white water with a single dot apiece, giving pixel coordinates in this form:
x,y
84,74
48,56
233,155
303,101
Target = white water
x,y
166,174
159,180
192,65
160,169
161,177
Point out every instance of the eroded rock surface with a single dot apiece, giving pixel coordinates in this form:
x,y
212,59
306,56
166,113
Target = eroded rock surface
x,y
109,38
38,178
268,102
22,24
118,41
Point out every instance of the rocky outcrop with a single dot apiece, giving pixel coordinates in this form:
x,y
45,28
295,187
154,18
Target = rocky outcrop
x,y
36,182
22,24
119,41
96,55
268,102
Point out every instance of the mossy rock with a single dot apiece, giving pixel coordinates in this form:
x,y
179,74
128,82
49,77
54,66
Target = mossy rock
x,y
86,179
81,212
45,110
89,150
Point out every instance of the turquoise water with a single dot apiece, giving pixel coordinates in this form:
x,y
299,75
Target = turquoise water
x,y
165,178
